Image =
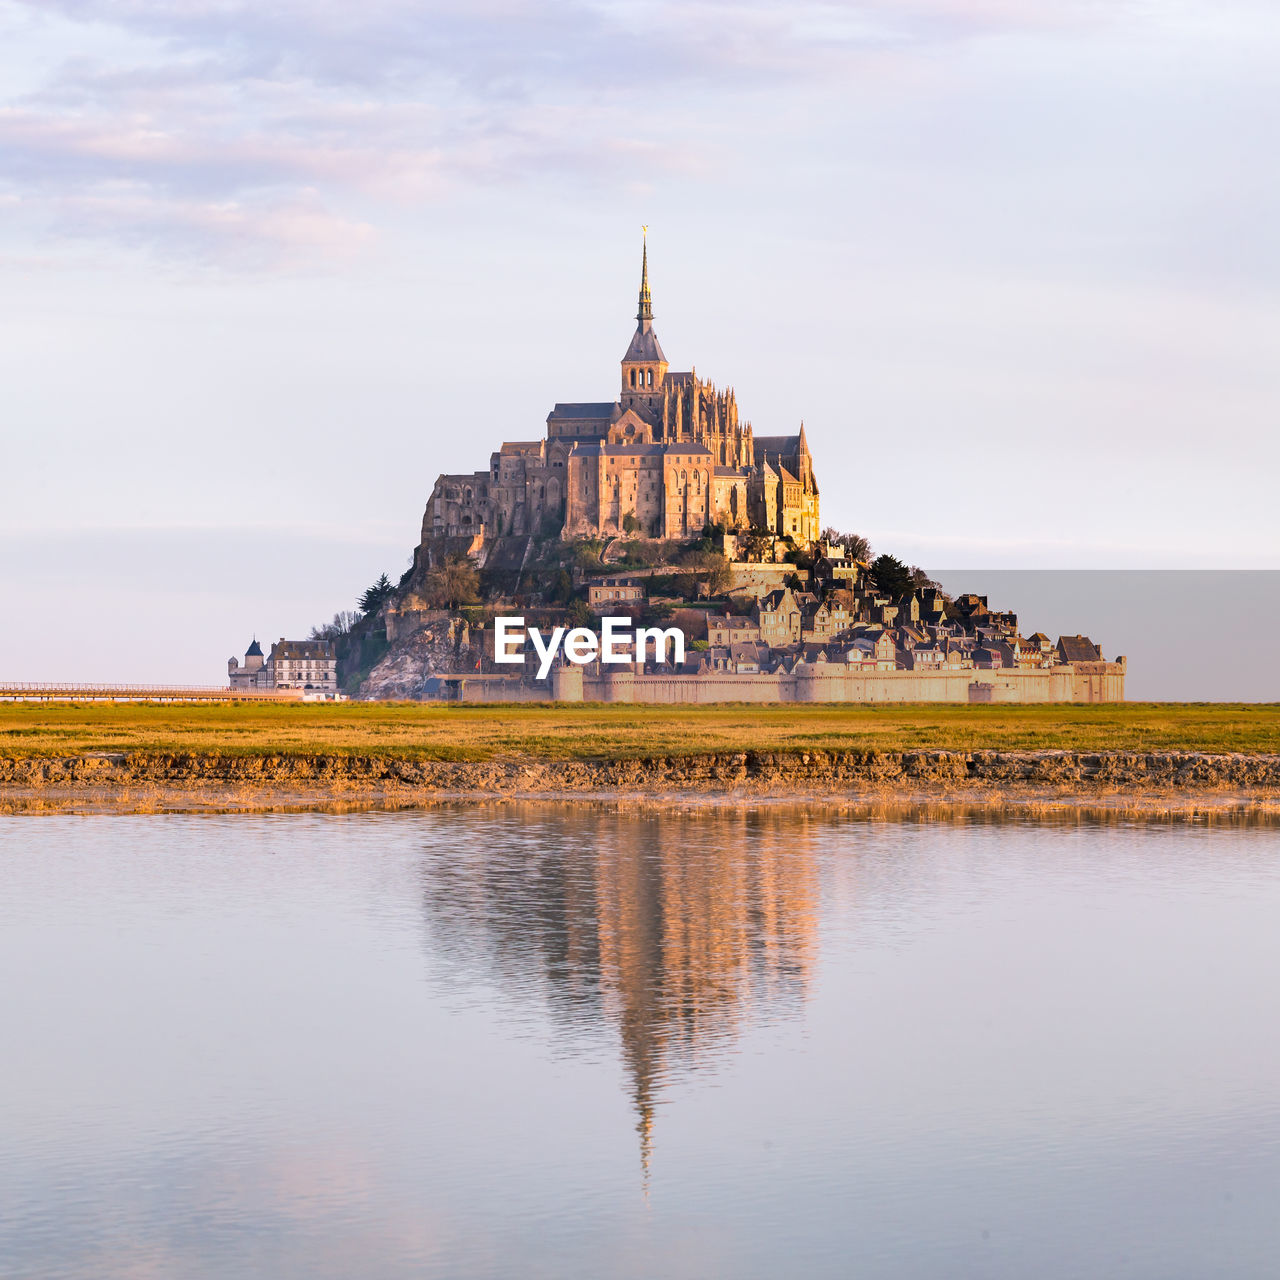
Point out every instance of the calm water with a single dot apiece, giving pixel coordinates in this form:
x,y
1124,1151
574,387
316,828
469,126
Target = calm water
x,y
565,1042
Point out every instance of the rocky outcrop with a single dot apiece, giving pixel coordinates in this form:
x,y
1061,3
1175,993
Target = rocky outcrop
x,y
441,644
758,773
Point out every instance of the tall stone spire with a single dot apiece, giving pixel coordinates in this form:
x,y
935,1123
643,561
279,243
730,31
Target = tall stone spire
x,y
645,315
644,366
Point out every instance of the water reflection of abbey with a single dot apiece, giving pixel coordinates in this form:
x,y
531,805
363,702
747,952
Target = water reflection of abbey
x,y
677,932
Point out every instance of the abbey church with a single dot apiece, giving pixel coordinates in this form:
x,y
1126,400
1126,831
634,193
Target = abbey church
x,y
666,459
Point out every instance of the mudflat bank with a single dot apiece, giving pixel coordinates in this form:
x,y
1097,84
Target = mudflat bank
x,y
148,781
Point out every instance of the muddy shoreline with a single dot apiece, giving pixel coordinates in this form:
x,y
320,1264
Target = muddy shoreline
x,y
1150,783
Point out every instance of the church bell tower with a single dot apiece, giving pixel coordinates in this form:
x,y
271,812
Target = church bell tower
x,y
644,367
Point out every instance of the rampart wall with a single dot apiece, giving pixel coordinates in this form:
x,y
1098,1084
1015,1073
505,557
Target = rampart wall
x,y
820,682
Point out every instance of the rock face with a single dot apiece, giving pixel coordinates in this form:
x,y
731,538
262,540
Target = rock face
x,y
441,645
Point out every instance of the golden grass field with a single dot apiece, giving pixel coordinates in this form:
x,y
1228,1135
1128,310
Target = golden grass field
x,y
592,731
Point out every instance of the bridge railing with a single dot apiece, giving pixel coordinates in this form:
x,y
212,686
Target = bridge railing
x,y
139,692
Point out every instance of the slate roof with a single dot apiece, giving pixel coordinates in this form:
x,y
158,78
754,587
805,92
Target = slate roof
x,y
579,412
254,650
772,602
639,448
644,347
1078,649
306,650
777,444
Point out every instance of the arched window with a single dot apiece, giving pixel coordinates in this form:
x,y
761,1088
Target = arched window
x,y
633,377
651,377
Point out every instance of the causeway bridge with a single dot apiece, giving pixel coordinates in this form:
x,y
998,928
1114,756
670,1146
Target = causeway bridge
x,y
66,691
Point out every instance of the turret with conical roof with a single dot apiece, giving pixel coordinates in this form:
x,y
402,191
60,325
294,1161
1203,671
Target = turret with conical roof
x,y
253,659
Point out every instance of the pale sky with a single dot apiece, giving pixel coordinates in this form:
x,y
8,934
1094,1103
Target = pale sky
x,y
268,266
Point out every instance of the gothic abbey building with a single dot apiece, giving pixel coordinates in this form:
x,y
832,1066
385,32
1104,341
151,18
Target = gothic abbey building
x,y
666,459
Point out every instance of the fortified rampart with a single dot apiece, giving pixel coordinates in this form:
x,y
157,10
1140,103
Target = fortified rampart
x,y
817,682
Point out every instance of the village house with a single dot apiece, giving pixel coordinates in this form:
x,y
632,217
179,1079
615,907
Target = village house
x,y
822,620
608,593
304,664
723,629
925,657
777,617
748,658
308,666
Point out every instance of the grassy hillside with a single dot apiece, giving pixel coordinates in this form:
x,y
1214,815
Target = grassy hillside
x,y
443,732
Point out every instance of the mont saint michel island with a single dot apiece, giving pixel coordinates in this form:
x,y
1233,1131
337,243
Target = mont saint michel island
x,y
538,746
657,516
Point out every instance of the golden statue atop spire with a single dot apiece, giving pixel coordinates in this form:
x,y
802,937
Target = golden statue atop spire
x,y
646,302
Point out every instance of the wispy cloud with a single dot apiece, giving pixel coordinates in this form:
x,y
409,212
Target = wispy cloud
x,y
224,124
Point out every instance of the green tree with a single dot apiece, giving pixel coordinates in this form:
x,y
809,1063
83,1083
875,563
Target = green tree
x,y
580,614
562,591
375,596
891,576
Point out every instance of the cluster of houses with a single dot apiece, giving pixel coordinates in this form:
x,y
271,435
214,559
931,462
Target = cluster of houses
x,y
922,631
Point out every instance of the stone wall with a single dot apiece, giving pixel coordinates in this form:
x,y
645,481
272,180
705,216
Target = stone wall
x,y
819,682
